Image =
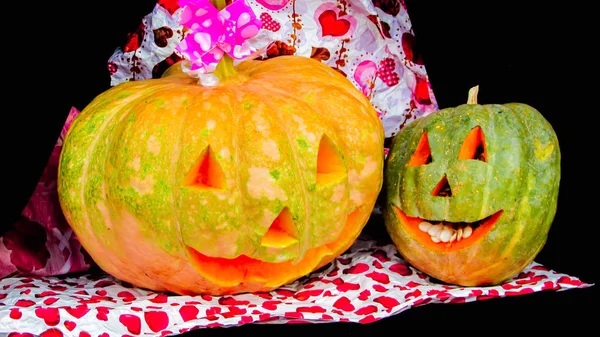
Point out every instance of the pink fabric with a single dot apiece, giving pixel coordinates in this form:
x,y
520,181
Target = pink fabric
x,y
42,243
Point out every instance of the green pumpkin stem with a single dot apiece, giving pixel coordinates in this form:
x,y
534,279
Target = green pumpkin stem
x,y
473,95
225,68
219,4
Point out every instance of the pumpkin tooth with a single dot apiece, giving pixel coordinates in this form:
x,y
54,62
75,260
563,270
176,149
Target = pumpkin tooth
x,y
435,239
434,230
459,234
424,226
454,235
467,231
446,234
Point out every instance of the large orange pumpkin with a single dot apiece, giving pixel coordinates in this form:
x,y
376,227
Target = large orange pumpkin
x,y
240,187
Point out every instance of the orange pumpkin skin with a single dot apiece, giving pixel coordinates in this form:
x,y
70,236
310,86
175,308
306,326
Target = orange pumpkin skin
x,y
241,187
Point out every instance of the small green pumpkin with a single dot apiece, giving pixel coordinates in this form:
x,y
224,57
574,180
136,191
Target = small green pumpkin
x,y
472,191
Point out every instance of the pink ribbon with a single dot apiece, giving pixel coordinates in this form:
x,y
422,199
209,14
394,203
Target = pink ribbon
x,y
214,33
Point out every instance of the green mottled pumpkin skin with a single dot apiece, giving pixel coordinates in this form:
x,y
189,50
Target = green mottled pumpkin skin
x,y
122,168
521,178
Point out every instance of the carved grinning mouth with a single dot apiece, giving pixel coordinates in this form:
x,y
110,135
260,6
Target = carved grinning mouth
x,y
445,235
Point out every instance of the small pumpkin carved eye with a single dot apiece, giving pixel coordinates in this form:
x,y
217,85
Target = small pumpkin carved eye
x,y
473,146
422,155
330,164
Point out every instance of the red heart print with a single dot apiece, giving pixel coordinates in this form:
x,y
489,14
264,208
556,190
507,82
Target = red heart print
x,y
401,269
50,300
388,302
343,304
332,25
50,315
24,303
132,323
156,320
364,295
102,313
15,313
159,299
70,325
51,333
188,312
422,92
78,311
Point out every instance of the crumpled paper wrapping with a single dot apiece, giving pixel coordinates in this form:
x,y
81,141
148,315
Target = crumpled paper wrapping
x,y
41,242
367,283
371,42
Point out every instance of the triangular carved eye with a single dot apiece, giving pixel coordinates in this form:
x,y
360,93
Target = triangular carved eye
x,y
330,165
422,155
442,189
474,146
282,233
206,172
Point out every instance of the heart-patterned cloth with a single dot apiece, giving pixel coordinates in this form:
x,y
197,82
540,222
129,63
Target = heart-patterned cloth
x,y
371,42
366,284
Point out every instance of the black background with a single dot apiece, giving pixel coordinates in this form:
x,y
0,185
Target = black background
x,y
539,55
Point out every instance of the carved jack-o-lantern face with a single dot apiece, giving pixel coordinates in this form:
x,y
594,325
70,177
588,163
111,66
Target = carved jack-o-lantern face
x,y
240,187
453,235
472,191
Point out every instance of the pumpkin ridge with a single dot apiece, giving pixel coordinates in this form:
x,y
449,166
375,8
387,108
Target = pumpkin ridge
x,y
330,88
263,69
302,179
126,111
84,118
490,168
328,120
521,188
120,116
175,160
530,176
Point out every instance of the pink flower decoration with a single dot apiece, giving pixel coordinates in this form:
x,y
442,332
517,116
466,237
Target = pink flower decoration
x,y
214,33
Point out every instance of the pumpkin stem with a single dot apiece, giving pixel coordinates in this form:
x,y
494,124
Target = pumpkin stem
x,y
473,95
219,4
225,68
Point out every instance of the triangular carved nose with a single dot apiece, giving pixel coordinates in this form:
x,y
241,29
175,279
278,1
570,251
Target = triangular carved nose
x,y
282,233
442,189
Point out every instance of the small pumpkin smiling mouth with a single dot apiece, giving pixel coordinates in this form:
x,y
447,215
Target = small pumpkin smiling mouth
x,y
445,235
